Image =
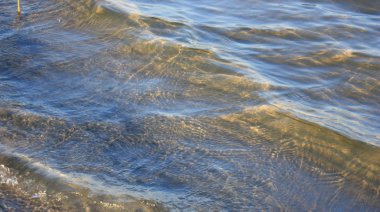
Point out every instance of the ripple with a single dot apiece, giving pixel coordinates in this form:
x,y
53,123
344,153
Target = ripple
x,y
265,105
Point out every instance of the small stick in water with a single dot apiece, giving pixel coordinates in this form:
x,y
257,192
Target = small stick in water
x,y
18,7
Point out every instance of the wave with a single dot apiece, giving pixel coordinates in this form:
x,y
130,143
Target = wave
x,y
160,145
107,105
27,184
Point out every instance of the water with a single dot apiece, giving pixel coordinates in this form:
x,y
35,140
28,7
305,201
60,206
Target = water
x,y
117,105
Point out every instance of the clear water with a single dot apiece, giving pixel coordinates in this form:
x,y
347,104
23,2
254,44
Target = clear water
x,y
117,105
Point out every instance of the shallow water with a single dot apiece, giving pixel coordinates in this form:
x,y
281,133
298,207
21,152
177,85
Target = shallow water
x,y
117,105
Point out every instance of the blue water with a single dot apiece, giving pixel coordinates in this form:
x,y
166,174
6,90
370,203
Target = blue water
x,y
116,105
